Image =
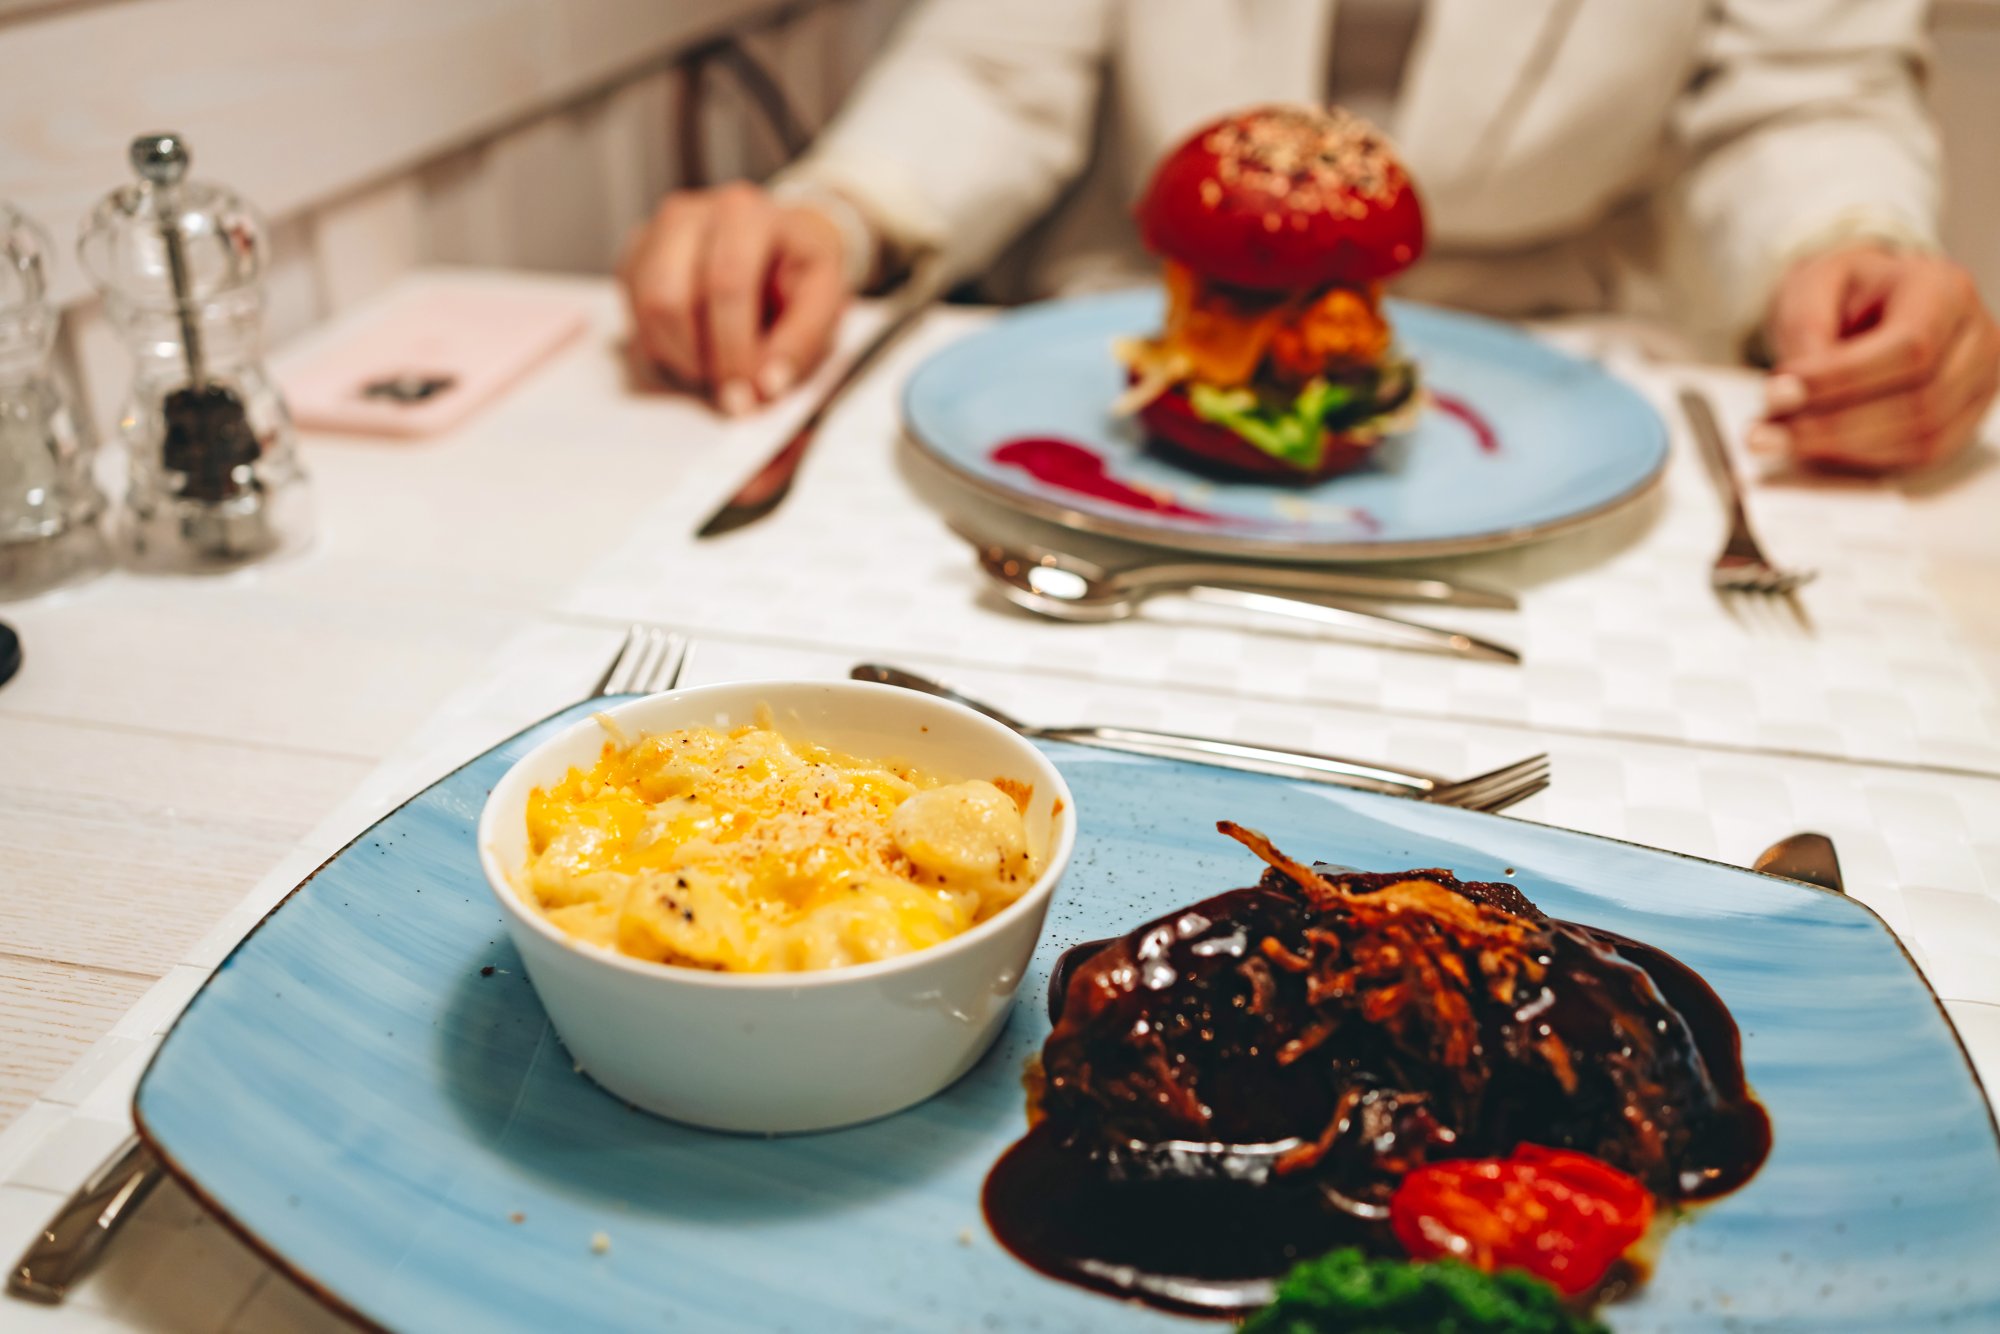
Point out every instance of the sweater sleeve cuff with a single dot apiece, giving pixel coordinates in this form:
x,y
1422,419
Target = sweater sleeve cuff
x,y
859,248
901,224
1861,224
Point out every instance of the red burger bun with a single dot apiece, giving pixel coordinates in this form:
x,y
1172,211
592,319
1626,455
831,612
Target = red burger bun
x,y
1173,426
1284,198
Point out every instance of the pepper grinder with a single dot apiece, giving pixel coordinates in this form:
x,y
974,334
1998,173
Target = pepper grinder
x,y
49,506
213,478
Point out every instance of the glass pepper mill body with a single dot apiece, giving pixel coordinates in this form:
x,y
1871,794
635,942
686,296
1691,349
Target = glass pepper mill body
x,y
213,473
49,505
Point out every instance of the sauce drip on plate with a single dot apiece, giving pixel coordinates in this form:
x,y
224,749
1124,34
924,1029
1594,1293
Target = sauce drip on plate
x,y
1068,466
1482,430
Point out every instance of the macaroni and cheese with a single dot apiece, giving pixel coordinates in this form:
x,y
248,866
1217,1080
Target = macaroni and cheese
x,y
747,851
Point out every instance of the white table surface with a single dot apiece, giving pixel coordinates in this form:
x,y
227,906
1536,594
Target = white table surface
x,y
177,753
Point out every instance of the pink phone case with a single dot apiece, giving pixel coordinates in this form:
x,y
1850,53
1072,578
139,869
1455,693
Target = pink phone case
x,y
428,359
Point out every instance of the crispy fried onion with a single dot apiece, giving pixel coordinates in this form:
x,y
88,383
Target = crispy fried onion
x,y
1411,958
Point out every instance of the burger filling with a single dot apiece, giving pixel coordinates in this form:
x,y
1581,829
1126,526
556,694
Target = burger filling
x,y
1283,371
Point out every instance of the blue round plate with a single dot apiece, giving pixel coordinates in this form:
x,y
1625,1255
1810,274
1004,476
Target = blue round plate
x,y
1520,442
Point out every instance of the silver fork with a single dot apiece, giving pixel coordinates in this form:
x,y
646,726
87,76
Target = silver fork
x,y
1742,567
650,660
1491,791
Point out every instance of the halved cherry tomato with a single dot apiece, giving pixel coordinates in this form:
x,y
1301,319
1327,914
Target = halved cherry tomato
x,y
1560,1215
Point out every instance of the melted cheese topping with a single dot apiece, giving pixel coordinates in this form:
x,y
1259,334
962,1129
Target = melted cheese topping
x,y
1222,339
750,852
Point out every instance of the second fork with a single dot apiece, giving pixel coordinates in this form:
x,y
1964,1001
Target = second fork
x,y
1492,791
1742,566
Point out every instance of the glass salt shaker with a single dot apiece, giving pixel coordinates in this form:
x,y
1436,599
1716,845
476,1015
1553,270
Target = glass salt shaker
x,y
213,472
49,506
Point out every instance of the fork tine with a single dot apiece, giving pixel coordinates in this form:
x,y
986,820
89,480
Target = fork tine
x,y
667,665
658,661
650,661
1478,795
617,678
1469,791
1519,771
1480,788
647,663
1501,800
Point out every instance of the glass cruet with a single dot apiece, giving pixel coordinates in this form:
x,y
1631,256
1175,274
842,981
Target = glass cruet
x,y
213,472
49,505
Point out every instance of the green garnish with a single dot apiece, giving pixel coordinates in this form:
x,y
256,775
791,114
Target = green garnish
x,y
1346,1292
1292,432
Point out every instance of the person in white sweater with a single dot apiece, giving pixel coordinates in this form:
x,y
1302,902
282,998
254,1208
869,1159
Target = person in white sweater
x,y
1761,172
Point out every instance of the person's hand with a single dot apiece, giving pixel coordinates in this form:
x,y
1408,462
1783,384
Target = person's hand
x,y
733,293
1884,361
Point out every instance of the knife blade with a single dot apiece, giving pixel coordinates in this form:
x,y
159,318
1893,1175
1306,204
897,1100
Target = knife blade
x,y
764,490
1807,858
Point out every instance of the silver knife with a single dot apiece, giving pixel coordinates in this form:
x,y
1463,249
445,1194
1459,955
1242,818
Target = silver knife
x,y
1808,858
68,1243
767,488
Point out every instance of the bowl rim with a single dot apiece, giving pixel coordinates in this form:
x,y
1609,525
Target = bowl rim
x,y
1035,897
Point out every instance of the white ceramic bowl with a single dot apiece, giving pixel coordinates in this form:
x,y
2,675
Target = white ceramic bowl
x,y
784,1052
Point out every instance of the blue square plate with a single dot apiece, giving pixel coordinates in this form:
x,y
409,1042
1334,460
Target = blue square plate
x,y
402,1132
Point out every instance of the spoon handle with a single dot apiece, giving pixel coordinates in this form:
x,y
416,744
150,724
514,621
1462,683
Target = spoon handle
x,y
1387,629
1326,583
1299,764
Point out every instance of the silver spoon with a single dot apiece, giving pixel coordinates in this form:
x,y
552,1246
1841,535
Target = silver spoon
x,y
1307,580
1068,588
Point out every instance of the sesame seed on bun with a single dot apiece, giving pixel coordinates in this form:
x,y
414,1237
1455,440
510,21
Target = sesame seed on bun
x,y
1284,198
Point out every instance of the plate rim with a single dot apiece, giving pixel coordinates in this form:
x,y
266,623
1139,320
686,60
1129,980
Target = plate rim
x,y
186,1179
323,1293
1049,510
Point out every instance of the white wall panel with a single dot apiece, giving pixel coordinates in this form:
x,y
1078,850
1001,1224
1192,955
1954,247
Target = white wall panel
x,y
364,242
299,101
634,154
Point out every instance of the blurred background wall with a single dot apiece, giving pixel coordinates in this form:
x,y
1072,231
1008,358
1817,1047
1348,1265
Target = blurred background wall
x,y
379,135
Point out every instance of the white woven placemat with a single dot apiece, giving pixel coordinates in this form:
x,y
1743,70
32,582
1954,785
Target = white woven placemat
x,y
1620,630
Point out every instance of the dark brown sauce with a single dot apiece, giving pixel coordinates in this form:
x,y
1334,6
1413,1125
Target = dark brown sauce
x,y
1737,1146
1215,1246
1198,1247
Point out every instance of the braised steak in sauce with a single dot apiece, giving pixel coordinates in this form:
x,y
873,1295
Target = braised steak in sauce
x,y
1240,1085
